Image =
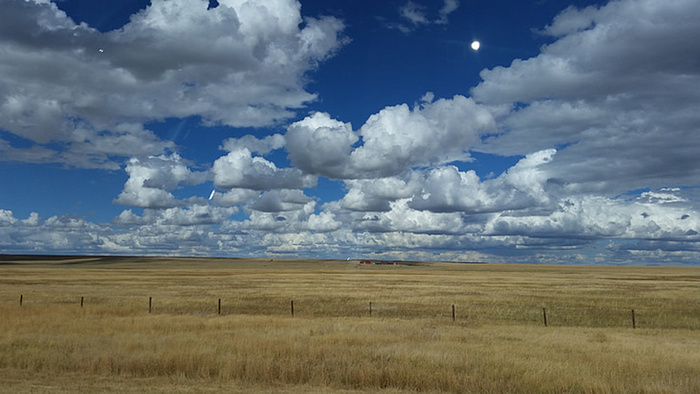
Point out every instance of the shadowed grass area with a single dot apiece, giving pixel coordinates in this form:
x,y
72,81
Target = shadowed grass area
x,y
496,343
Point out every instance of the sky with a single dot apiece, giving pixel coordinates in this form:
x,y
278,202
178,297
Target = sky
x,y
352,129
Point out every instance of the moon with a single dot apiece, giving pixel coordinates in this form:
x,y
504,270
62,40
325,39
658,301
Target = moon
x,y
476,45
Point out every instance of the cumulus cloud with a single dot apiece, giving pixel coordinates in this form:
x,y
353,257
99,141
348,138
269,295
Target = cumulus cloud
x,y
595,217
279,211
6,218
601,127
234,197
284,211
239,64
240,169
402,218
320,145
33,220
61,234
447,189
152,179
180,216
281,201
616,81
377,194
324,222
397,138
392,141
253,144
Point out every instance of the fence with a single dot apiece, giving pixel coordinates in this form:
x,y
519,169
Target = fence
x,y
475,313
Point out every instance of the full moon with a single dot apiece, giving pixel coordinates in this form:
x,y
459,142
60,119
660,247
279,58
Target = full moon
x,y
476,45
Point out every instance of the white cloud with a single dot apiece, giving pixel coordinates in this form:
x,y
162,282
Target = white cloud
x,y
33,220
595,217
35,154
239,64
253,144
7,218
97,149
240,169
88,148
446,189
527,175
572,20
190,216
234,197
320,145
663,196
57,234
159,239
393,140
449,7
608,107
397,138
615,92
377,194
414,13
68,222
324,222
401,217
417,15
281,201
285,211
151,181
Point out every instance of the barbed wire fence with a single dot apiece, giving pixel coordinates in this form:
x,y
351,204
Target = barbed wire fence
x,y
657,316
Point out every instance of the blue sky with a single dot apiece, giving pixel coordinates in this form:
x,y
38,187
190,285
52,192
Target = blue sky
x,y
360,129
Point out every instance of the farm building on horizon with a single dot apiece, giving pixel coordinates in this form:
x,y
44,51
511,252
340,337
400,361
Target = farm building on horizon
x,y
380,262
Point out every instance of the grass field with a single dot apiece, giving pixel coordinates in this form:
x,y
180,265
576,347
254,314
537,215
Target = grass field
x,y
497,341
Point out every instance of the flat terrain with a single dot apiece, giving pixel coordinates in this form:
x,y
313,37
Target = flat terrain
x,y
191,324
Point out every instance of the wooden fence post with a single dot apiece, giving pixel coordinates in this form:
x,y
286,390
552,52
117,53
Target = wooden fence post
x,y
544,314
370,308
150,299
292,304
219,305
81,301
21,298
634,323
454,316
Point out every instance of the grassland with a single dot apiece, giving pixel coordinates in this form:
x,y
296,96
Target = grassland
x,y
497,341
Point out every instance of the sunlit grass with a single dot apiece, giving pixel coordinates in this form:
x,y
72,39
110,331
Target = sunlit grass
x,y
497,343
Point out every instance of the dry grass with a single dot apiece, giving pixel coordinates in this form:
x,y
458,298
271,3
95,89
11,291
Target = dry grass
x,y
410,343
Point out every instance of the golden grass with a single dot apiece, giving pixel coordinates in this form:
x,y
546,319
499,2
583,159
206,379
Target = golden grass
x,y
410,343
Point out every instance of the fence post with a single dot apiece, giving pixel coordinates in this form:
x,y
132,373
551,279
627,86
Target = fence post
x,y
292,304
370,308
544,314
21,297
81,301
219,305
150,299
634,323
454,316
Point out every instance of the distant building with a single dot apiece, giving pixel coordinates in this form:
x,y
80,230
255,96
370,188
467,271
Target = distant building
x,y
380,262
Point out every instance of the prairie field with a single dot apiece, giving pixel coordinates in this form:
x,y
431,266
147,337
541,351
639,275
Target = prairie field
x,y
136,324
